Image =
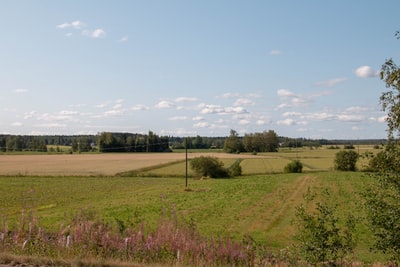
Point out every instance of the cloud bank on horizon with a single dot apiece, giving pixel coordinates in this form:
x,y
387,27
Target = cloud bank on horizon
x,y
184,69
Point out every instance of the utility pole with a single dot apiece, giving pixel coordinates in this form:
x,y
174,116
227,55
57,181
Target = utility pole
x,y
186,152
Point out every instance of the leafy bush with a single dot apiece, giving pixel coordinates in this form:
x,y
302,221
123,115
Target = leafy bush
x,y
346,160
321,237
209,166
294,167
235,169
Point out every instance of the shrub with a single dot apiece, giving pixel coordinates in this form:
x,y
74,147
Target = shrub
x,y
294,167
321,236
235,169
209,166
346,160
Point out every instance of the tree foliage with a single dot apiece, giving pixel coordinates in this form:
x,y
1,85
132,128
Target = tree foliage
x,y
209,167
261,142
382,197
128,142
294,167
321,236
233,143
346,160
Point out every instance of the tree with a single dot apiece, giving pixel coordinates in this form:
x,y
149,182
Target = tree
x,y
233,144
381,198
346,160
271,141
261,142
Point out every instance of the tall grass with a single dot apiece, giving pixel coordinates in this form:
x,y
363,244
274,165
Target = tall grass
x,y
172,242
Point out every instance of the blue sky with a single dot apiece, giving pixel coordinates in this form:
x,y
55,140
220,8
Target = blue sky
x,y
185,68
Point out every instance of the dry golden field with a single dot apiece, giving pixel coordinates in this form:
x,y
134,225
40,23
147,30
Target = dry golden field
x,y
91,164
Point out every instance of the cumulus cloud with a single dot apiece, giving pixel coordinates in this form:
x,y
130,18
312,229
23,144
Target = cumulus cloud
x,y
82,27
123,39
243,102
287,122
331,82
178,118
202,124
140,107
366,72
185,99
197,118
16,124
21,91
217,109
285,93
291,99
275,52
164,104
229,95
76,24
98,33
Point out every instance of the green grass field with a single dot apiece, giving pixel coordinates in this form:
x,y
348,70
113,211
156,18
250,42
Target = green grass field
x,y
261,206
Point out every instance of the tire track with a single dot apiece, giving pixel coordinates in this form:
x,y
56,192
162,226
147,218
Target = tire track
x,y
270,210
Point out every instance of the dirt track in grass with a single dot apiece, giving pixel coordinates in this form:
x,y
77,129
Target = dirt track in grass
x,y
92,164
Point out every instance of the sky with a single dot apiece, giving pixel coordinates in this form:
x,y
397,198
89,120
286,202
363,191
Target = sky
x,y
185,68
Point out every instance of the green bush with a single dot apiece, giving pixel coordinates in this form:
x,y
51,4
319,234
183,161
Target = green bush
x,y
294,167
346,160
235,169
322,237
209,166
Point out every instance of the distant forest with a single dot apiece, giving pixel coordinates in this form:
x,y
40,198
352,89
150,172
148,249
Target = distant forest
x,y
135,142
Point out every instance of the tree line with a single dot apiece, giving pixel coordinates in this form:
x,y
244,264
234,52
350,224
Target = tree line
x,y
136,142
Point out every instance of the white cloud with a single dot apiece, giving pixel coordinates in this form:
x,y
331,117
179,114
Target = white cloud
x,y
243,102
80,26
275,52
51,125
293,113
197,118
331,82
114,112
164,104
75,24
244,122
216,109
16,124
285,93
382,119
185,99
366,72
68,112
30,114
98,33
123,39
140,107
21,91
350,117
287,122
261,122
178,118
291,99
228,95
201,125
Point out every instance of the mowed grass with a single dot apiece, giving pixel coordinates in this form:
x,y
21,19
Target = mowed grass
x,y
261,206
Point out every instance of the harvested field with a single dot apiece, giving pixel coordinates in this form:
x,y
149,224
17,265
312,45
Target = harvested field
x,y
92,164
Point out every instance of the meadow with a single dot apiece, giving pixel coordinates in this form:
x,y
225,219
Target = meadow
x,y
259,205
